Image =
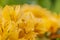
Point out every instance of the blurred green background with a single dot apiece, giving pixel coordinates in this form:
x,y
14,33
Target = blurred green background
x,y
53,5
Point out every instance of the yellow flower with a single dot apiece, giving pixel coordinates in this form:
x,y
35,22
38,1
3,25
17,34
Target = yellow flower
x,y
26,22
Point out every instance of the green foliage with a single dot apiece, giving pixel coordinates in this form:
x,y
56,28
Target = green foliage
x,y
45,3
57,38
57,6
53,5
15,2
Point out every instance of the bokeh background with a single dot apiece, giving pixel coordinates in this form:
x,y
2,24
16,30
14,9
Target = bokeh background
x,y
53,5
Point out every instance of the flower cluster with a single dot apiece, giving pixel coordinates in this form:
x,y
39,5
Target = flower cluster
x,y
25,22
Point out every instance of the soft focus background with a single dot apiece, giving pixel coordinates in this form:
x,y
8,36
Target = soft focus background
x,y
53,5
